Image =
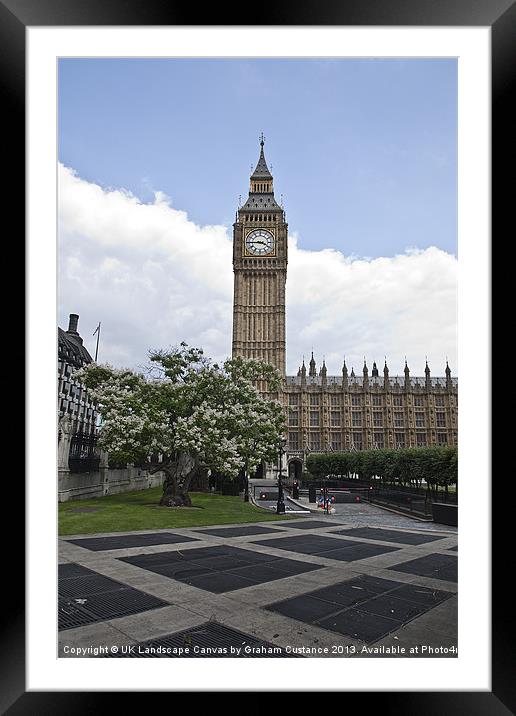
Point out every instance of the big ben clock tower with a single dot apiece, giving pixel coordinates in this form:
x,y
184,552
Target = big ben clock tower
x,y
260,268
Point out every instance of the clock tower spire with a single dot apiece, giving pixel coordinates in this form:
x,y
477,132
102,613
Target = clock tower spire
x,y
260,272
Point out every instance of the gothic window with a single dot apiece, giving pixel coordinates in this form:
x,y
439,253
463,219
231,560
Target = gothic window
x,y
377,419
314,418
335,400
442,439
357,440
377,399
397,401
440,420
336,441
379,440
418,401
356,400
315,441
421,439
398,420
420,420
399,439
293,441
293,399
439,400
356,418
293,418
314,400
335,417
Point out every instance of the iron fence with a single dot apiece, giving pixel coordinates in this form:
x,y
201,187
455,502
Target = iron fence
x,y
84,455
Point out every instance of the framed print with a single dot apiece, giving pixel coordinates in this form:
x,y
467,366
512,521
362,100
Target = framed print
x,y
140,130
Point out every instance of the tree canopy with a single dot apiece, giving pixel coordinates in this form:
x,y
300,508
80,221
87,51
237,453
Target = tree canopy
x,y
184,412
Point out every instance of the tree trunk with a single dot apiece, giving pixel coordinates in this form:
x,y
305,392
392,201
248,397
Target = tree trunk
x,y
177,482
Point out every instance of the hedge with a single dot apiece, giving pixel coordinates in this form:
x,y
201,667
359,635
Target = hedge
x,y
437,466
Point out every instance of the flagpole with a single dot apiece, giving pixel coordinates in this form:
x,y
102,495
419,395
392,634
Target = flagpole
x,y
97,331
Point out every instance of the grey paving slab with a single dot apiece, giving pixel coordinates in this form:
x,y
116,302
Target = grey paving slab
x,y
245,608
157,622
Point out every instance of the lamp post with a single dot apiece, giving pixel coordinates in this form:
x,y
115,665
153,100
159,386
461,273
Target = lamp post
x,y
280,507
246,484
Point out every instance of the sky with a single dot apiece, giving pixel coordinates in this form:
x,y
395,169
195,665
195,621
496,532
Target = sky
x,y
155,153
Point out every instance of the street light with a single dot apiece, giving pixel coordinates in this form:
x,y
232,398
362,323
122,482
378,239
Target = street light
x,y
280,507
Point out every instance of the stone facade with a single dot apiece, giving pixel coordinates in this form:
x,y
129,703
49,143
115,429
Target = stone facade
x,y
74,402
324,413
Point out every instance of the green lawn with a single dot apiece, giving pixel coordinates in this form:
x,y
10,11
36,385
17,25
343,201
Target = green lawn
x,y
140,511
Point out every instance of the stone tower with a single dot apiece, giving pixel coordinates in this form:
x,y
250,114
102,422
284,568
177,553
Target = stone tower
x,y
260,269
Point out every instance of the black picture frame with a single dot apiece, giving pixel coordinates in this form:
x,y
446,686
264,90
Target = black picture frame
x,y
15,17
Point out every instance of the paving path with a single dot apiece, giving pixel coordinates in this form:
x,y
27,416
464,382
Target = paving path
x,y
358,583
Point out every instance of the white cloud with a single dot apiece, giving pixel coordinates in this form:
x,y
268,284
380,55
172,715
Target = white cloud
x,y
154,278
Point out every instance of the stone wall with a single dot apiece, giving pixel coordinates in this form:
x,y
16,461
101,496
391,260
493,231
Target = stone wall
x,y
86,485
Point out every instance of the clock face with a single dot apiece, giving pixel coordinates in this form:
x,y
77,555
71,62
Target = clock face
x,y
259,242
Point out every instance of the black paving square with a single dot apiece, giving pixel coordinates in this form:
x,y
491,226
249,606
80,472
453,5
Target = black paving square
x,y
180,570
125,541
260,572
80,587
358,550
110,605
329,547
146,560
238,531
306,544
220,569
360,625
436,566
219,582
207,640
292,566
387,605
422,595
71,569
304,608
90,597
219,564
345,595
72,615
365,608
389,535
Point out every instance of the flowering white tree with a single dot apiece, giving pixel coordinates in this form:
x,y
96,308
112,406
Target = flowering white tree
x,y
190,413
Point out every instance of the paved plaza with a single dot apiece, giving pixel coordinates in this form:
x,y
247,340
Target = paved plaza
x,y
360,583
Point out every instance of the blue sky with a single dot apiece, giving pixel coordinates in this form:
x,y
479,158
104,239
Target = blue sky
x,y
364,151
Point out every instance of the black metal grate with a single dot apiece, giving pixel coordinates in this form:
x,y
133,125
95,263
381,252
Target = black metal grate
x,y
220,569
86,597
97,544
434,566
367,608
389,535
237,531
71,569
328,547
208,640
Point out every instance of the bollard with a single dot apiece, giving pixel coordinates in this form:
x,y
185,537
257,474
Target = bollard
x,y
311,493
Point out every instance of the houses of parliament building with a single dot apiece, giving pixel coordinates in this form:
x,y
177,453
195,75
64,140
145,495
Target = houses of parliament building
x,y
324,412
